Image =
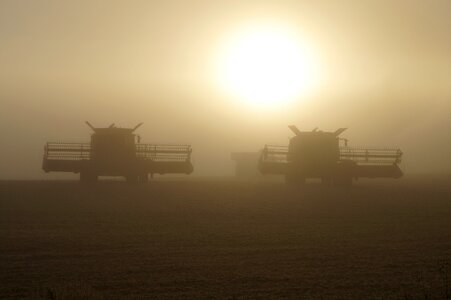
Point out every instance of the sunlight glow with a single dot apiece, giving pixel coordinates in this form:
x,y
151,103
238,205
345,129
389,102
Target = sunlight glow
x,y
267,66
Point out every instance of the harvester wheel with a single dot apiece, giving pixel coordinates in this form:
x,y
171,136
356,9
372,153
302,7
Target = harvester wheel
x,y
132,178
88,177
343,181
326,181
83,178
294,179
143,178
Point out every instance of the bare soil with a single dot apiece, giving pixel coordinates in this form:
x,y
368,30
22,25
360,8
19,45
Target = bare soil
x,y
223,238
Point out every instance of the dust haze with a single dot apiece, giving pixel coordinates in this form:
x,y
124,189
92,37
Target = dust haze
x,y
386,74
374,73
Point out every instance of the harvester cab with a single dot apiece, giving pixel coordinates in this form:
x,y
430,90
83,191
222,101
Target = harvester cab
x,y
113,146
314,147
116,151
324,155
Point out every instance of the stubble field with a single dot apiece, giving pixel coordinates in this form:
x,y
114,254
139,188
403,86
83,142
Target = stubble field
x,y
223,238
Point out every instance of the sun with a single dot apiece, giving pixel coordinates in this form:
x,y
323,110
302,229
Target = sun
x,y
267,66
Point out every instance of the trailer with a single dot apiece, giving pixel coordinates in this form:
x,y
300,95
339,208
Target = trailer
x,y
116,151
324,155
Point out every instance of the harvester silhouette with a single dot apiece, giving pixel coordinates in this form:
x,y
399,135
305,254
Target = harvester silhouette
x,y
116,152
324,155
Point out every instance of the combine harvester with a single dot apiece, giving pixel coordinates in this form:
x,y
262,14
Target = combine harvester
x,y
116,152
324,155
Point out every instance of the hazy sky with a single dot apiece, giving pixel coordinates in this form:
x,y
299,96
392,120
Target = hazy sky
x,y
385,73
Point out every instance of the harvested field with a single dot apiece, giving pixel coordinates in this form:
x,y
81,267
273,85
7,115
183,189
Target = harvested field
x,y
222,238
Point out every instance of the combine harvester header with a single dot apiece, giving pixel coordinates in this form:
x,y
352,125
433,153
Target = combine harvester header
x,y
116,152
324,155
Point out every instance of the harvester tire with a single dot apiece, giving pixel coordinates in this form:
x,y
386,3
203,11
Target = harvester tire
x,y
143,178
87,177
132,178
343,181
294,179
326,181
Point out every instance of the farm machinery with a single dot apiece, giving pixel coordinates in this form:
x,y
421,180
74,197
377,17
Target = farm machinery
x,y
324,155
116,151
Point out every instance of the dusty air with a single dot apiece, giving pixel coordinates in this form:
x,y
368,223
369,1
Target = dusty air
x,y
313,154
226,149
